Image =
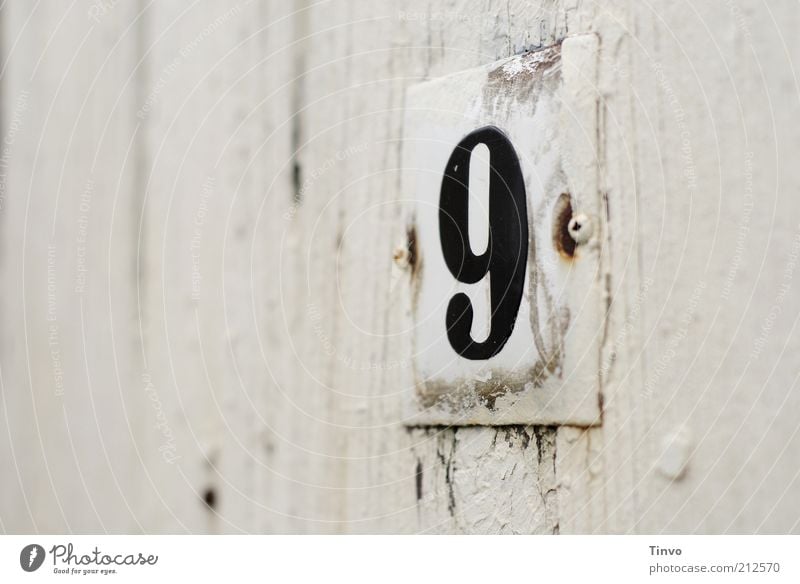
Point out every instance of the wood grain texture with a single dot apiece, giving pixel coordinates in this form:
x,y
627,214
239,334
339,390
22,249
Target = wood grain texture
x,y
68,253
204,200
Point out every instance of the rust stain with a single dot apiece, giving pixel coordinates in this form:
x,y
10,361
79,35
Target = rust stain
x,y
415,263
413,254
527,66
562,240
464,394
529,74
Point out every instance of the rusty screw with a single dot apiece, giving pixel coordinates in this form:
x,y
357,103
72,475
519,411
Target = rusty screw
x,y
401,257
580,228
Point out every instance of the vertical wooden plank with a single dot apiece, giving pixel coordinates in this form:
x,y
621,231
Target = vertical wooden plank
x,y
71,408
262,95
719,383
703,245
218,138
386,478
599,470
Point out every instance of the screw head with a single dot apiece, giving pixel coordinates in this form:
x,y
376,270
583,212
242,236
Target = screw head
x,y
580,228
676,449
401,257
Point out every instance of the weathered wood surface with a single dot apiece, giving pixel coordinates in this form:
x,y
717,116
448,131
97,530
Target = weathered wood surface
x,y
202,330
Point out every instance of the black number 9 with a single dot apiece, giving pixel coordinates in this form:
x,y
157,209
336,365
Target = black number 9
x,y
506,255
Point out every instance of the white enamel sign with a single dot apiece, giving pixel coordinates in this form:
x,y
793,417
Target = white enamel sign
x,y
507,228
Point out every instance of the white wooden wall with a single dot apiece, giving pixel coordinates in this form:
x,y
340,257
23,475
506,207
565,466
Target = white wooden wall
x,y
200,203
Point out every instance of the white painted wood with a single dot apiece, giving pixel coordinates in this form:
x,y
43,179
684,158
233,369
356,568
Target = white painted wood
x,y
217,189
73,411
282,380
